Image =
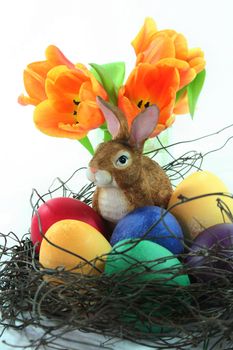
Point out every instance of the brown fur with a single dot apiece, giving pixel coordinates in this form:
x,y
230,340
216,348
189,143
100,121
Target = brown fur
x,y
144,182
141,183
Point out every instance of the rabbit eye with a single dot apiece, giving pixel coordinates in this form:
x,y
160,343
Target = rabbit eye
x,y
122,159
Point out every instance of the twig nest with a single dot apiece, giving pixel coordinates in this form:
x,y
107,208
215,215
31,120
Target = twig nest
x,y
144,267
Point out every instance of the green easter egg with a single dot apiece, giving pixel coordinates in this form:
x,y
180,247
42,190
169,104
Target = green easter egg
x,y
141,262
141,258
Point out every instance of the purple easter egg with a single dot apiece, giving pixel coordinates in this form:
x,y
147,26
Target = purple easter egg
x,y
212,248
166,232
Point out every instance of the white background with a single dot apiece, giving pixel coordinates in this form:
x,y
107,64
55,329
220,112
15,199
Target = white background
x,y
100,31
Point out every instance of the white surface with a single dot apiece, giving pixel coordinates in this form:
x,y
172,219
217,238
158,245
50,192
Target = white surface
x,y
100,31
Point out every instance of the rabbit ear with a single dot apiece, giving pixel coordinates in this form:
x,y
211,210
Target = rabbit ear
x,y
143,126
116,121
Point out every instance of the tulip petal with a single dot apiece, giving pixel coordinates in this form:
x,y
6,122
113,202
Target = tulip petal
x,y
197,63
65,80
34,84
162,82
26,100
160,47
89,115
86,92
181,47
56,57
129,107
135,89
41,68
151,84
35,75
62,87
186,73
167,47
181,106
143,38
51,122
195,52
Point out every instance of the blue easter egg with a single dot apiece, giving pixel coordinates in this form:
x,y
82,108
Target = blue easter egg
x,y
166,232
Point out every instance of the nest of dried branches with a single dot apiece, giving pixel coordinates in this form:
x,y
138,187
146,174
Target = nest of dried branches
x,y
155,312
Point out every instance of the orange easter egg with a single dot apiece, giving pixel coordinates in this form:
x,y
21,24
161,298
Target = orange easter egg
x,y
78,238
201,213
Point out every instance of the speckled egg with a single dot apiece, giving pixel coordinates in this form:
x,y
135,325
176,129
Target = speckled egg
x,y
200,213
166,230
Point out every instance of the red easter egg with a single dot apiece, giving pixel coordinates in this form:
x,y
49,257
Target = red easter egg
x,y
63,208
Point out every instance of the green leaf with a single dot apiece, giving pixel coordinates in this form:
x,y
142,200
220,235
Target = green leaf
x,y
194,89
111,76
106,81
87,144
117,72
96,75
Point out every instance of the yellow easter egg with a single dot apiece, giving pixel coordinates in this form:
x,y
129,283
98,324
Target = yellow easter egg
x,y
199,214
78,238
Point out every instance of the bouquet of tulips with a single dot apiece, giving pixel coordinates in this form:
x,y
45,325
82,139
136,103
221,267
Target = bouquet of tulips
x,y
167,73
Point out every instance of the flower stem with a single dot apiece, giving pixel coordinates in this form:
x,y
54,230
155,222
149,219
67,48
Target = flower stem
x,y
87,144
107,135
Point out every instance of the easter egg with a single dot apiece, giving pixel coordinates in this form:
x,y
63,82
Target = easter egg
x,y
138,256
166,231
62,208
201,213
212,248
137,262
81,239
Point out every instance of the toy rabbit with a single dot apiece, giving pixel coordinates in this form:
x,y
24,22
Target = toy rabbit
x,y
124,178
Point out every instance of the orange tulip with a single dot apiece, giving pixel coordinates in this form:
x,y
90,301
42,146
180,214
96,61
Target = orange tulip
x,y
70,109
145,36
170,48
181,106
196,60
150,84
36,73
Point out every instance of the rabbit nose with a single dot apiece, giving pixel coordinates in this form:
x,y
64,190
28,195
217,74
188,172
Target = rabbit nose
x,y
93,170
